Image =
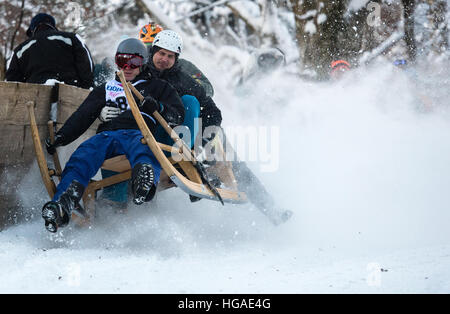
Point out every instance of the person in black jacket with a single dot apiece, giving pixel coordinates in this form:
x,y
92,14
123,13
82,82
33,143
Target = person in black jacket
x,y
120,135
164,64
51,54
147,35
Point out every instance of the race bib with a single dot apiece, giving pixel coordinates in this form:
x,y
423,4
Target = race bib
x,y
115,96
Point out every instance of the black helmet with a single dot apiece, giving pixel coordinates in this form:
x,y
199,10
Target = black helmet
x,y
133,46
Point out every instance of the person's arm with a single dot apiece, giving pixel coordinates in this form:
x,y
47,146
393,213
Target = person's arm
x,y
83,62
14,73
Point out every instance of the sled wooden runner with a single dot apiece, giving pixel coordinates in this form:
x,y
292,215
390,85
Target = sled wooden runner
x,y
42,163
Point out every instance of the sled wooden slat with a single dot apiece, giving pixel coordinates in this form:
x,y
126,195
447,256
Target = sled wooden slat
x,y
190,171
118,164
117,178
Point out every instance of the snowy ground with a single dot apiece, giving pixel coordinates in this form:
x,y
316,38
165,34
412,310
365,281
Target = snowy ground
x,y
364,169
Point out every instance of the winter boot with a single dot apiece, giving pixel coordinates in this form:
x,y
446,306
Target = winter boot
x,y
143,183
57,213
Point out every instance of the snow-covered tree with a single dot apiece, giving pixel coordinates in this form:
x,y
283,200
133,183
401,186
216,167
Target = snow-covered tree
x,y
312,33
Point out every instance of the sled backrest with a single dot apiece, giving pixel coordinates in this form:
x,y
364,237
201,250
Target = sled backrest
x,y
16,144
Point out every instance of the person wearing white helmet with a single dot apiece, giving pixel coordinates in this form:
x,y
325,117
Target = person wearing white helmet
x,y
147,35
164,64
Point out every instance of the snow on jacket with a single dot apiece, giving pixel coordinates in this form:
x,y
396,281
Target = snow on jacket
x,y
186,85
112,94
52,54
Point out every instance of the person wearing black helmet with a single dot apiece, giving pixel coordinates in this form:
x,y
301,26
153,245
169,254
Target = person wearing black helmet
x,y
51,54
116,136
163,64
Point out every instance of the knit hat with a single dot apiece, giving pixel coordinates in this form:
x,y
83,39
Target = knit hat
x,y
41,18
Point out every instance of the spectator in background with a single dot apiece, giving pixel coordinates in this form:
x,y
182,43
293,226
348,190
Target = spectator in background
x,y
51,54
262,62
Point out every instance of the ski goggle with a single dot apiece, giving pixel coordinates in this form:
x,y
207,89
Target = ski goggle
x,y
124,60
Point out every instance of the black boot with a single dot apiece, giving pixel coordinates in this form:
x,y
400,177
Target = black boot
x,y
143,183
57,213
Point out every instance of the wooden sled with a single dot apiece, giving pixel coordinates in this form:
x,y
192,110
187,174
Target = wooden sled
x,y
181,170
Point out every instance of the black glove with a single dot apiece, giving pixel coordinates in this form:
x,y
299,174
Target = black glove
x,y
51,148
149,104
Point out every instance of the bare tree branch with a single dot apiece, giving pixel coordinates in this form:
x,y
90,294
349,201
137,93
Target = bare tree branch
x,y
2,66
247,22
408,14
19,23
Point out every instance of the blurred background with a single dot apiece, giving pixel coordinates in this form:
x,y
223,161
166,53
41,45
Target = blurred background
x,y
310,33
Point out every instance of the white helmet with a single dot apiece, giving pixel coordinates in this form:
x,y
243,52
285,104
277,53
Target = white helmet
x,y
169,40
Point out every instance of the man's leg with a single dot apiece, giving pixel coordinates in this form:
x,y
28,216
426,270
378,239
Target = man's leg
x,y
146,168
81,167
257,193
250,184
192,113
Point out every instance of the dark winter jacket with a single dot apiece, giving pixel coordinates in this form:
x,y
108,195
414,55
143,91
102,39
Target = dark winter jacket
x,y
186,85
171,108
51,54
190,69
